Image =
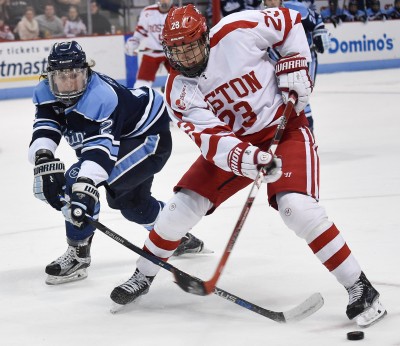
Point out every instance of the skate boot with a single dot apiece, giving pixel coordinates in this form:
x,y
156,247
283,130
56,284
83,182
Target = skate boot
x,y
131,290
364,303
71,266
190,245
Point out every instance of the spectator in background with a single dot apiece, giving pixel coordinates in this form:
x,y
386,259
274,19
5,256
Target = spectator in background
x,y
100,24
28,27
333,14
74,25
39,5
49,24
4,10
62,6
375,12
232,6
16,10
111,5
5,31
353,14
394,12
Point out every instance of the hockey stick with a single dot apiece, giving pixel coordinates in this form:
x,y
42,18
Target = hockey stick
x,y
299,312
200,287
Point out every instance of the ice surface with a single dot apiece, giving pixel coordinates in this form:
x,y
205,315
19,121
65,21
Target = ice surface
x,y
357,124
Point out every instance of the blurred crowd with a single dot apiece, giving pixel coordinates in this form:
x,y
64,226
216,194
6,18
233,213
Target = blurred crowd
x,y
34,19
359,11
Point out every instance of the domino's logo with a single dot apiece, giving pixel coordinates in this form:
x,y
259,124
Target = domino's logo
x,y
364,44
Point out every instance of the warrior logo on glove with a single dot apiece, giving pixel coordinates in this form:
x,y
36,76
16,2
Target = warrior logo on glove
x,y
292,74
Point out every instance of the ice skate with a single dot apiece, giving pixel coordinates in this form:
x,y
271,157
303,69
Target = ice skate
x,y
71,266
364,304
190,245
138,285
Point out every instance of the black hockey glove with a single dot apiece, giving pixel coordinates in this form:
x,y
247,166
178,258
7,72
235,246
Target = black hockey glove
x,y
49,179
83,200
321,40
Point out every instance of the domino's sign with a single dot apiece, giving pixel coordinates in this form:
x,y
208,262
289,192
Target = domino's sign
x,y
362,46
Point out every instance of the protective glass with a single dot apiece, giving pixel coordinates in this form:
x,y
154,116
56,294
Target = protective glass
x,y
68,85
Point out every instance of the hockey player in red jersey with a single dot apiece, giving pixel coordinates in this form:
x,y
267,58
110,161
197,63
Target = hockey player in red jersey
x,y
228,97
149,29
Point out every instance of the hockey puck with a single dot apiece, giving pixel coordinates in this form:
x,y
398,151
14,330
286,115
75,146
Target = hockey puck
x,y
356,335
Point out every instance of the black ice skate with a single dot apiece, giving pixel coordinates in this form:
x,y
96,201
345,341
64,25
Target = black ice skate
x,y
71,266
364,303
131,290
190,245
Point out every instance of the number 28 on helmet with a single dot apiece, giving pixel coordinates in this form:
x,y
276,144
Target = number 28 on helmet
x,y
186,41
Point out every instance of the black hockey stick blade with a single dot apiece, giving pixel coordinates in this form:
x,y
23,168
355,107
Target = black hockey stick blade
x,y
299,312
189,283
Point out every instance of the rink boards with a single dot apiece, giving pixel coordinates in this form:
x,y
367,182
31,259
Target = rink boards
x,y
354,47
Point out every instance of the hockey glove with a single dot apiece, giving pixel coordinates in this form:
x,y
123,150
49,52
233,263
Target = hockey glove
x,y
83,200
246,160
131,46
49,179
321,40
292,75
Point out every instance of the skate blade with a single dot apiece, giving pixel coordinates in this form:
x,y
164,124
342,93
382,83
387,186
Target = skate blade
x,y
58,280
204,251
372,315
116,308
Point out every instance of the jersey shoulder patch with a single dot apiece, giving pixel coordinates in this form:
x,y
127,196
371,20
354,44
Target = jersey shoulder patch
x,y
99,100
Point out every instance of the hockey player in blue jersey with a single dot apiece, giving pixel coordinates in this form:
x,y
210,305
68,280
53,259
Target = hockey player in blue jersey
x,y
121,138
318,38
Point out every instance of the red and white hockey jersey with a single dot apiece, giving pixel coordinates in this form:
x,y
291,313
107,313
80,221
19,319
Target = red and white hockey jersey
x,y
237,95
149,28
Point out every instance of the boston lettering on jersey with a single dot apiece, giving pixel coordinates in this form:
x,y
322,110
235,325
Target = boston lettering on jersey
x,y
230,91
155,27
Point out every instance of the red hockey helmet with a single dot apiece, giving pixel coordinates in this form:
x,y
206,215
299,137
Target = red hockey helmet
x,y
185,40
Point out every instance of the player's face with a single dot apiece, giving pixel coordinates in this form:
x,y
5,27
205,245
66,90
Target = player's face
x,y
70,80
165,5
272,3
69,84
189,55
353,8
